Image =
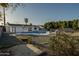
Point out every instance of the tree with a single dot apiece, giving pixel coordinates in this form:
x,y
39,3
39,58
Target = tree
x,y
55,25
26,20
63,44
5,6
0,16
49,25
75,24
66,24
62,24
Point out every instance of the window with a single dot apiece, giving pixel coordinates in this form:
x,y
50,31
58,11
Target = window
x,y
35,28
30,29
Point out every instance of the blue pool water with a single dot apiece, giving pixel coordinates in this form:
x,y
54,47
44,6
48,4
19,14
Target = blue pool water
x,y
33,33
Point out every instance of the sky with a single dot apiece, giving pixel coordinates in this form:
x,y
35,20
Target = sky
x,y
38,14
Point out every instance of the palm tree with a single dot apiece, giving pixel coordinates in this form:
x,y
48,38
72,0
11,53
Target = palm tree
x,y
6,6
26,20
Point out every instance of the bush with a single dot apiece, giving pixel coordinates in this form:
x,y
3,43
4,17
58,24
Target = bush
x,y
29,40
63,44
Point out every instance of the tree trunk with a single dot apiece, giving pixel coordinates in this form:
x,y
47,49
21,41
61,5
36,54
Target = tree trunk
x,y
4,15
4,28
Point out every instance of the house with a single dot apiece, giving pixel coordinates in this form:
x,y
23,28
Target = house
x,y
15,28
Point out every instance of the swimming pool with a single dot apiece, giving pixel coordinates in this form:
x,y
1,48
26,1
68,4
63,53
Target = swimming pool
x,y
33,33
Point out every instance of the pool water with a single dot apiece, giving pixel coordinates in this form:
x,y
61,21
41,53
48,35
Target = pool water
x,y
33,33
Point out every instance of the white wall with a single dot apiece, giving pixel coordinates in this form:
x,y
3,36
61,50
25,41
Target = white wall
x,y
10,29
7,29
19,29
22,29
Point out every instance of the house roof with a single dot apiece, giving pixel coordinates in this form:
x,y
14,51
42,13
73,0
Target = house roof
x,y
23,25
17,24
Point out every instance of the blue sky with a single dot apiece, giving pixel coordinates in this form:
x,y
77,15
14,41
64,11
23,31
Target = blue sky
x,y
41,13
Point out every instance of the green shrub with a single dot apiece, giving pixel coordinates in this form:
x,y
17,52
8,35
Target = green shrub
x,y
64,44
29,40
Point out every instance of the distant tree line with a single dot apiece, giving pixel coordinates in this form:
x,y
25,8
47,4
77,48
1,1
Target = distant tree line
x,y
62,24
